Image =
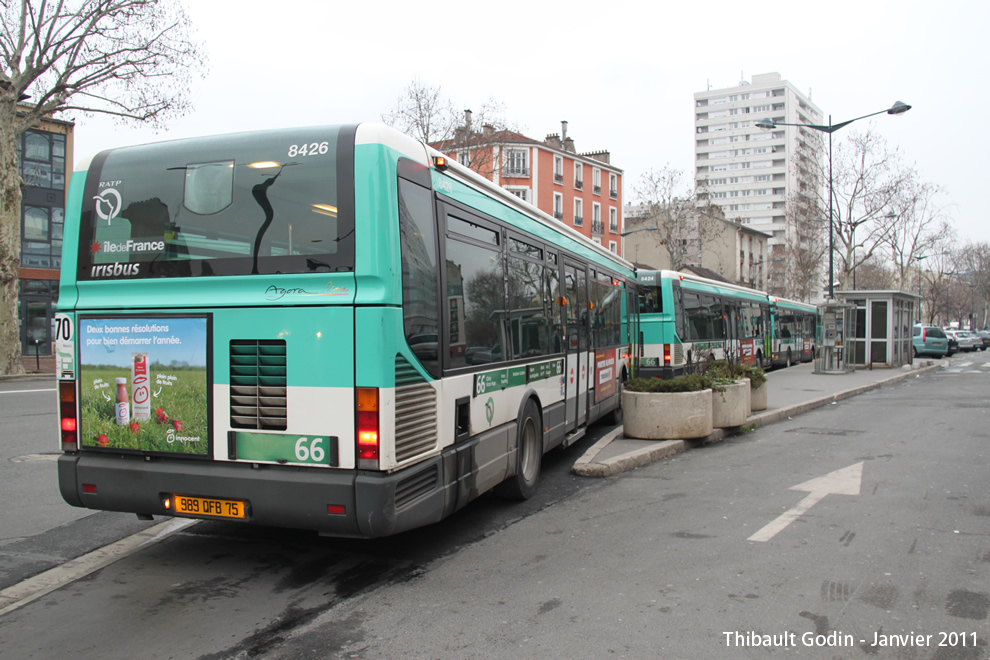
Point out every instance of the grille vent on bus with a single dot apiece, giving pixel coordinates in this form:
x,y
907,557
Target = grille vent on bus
x,y
405,373
258,384
415,420
678,357
409,489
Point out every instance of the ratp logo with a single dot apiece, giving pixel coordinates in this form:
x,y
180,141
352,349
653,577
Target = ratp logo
x,y
108,204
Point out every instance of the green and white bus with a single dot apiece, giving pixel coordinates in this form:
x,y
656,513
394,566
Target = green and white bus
x,y
794,327
328,328
686,320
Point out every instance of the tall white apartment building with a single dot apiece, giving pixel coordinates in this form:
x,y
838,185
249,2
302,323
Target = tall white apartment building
x,y
752,172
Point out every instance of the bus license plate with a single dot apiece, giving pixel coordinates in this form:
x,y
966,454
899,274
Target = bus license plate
x,y
208,506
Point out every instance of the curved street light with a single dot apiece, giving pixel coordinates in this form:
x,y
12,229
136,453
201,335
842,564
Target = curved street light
x,y
899,108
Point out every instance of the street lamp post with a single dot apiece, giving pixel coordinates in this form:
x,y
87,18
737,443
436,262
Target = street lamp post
x,y
897,109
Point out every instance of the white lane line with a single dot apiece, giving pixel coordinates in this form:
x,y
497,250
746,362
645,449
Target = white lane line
x,y
28,391
35,587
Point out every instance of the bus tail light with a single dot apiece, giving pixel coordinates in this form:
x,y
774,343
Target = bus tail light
x,y
666,355
67,415
366,404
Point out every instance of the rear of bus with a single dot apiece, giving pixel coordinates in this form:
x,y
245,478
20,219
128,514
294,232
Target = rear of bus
x,y
224,307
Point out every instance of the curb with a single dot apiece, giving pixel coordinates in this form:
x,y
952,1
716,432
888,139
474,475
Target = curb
x,y
587,466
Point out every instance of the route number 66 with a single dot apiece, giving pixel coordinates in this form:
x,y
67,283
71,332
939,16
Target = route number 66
x,y
312,451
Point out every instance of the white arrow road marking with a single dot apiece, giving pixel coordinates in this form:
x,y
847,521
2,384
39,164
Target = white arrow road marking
x,y
846,481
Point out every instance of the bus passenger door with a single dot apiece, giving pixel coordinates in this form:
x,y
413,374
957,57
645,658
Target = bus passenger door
x,y
576,344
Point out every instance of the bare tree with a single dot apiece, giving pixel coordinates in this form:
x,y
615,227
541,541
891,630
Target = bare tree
x,y
685,220
797,265
423,112
975,261
472,137
920,224
937,274
132,59
868,179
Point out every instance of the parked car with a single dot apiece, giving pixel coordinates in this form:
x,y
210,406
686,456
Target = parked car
x,y
929,340
985,336
953,346
966,340
978,340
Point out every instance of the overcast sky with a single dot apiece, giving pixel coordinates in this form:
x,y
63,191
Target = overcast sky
x,y
622,74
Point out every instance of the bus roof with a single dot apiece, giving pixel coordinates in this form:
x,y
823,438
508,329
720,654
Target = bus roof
x,y
473,179
699,283
794,304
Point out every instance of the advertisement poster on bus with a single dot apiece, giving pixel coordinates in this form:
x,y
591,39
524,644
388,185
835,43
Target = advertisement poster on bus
x,y
144,384
605,368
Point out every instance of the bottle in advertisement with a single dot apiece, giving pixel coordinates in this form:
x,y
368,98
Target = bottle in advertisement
x,y
140,386
123,405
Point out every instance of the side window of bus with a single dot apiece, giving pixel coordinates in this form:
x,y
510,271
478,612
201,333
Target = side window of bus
x,y
475,293
694,316
680,323
417,229
529,320
553,295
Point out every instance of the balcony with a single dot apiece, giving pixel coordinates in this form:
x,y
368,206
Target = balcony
x,y
515,172
578,220
559,215
597,190
597,228
614,194
579,184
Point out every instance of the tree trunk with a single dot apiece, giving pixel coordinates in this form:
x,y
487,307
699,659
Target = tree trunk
x,y
10,247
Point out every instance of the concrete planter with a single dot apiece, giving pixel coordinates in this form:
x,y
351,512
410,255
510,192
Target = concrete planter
x,y
758,397
667,415
731,407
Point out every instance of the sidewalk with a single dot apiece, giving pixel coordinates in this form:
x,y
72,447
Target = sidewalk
x,y
790,392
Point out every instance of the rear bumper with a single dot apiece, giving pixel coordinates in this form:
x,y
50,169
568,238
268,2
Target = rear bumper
x,y
375,504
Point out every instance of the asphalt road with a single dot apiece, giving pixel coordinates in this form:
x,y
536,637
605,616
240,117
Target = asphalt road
x,y
888,534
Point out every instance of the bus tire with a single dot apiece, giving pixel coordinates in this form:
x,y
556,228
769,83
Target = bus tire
x,y
529,456
615,415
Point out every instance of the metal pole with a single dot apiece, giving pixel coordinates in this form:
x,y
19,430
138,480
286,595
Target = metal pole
x,y
831,247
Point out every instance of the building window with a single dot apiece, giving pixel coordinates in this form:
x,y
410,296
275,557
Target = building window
x,y
613,186
613,247
579,176
613,220
521,193
596,181
558,169
558,206
43,160
578,212
516,163
596,218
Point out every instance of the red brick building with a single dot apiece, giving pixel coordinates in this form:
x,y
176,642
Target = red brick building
x,y
583,191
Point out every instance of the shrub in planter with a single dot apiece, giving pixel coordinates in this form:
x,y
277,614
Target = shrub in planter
x,y
732,406
678,408
722,369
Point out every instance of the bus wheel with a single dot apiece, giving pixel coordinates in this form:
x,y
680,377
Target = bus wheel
x,y
529,455
615,416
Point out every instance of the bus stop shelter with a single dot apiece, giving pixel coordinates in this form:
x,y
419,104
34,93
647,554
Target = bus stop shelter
x,y
881,329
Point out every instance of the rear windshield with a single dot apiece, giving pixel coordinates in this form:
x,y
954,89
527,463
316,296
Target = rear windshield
x,y
259,203
935,332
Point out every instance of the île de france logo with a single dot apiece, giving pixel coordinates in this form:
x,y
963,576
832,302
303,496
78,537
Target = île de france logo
x,y
108,202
